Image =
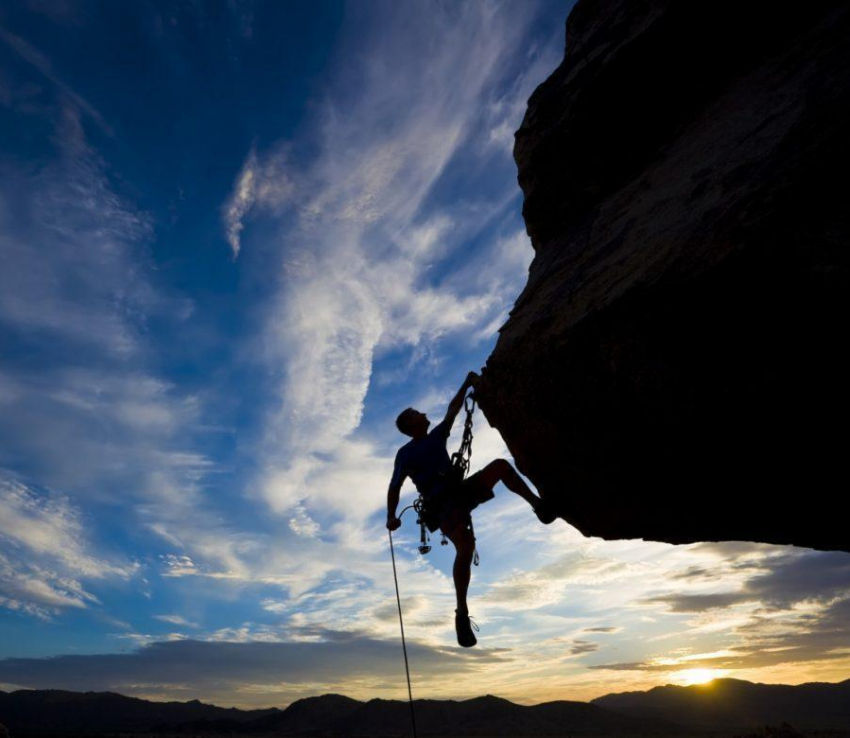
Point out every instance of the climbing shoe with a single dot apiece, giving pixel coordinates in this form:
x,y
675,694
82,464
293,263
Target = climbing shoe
x,y
463,626
544,512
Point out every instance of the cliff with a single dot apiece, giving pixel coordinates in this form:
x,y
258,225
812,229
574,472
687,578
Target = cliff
x,y
674,369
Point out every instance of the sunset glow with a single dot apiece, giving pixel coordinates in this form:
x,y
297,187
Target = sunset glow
x,y
688,677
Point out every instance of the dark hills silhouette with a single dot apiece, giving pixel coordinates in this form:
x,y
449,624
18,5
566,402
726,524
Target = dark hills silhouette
x,y
310,715
734,704
726,706
481,716
59,711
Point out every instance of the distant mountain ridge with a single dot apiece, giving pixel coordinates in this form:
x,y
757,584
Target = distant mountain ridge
x,y
481,716
62,712
732,703
725,705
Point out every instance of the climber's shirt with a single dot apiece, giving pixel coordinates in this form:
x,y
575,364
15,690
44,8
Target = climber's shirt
x,y
425,461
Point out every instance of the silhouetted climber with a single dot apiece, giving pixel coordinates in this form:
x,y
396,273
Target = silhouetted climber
x,y
449,500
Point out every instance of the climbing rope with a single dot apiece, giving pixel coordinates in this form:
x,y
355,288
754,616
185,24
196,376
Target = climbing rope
x,y
403,642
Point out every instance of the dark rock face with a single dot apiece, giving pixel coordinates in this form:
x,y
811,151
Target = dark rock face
x,y
675,368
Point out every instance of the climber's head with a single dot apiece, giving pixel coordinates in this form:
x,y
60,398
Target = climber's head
x,y
412,423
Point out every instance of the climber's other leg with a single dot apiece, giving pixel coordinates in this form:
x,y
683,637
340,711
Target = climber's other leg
x,y
464,542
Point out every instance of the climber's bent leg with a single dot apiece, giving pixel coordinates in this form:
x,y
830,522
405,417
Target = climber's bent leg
x,y
501,470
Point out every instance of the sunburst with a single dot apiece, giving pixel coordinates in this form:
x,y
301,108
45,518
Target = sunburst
x,y
687,677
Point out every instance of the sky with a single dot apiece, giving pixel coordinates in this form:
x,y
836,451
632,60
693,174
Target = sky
x,y
237,239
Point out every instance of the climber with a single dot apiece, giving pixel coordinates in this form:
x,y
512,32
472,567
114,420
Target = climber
x,y
449,500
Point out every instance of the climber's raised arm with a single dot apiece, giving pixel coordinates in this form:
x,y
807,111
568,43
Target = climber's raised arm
x,y
457,401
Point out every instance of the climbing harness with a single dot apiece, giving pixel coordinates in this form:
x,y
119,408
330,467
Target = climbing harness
x,y
461,460
460,467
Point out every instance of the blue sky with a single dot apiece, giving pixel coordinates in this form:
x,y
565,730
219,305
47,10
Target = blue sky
x,y
237,239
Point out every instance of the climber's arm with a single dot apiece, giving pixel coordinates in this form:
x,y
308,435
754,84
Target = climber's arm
x,y
393,493
457,401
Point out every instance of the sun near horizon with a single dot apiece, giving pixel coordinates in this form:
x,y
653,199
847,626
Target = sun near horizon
x,y
690,677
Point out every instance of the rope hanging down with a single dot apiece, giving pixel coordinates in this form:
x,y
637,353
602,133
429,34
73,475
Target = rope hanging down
x,y
403,642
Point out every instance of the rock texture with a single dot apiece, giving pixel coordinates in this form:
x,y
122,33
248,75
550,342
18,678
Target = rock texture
x,y
675,368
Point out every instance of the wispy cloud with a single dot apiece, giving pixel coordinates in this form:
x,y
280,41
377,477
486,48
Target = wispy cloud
x,y
548,584
90,418
68,241
45,554
176,620
41,63
363,265
261,186
790,608
361,236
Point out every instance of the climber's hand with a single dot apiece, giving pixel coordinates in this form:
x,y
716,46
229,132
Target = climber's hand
x,y
393,523
471,379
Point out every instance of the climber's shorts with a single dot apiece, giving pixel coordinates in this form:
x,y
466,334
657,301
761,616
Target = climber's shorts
x,y
462,500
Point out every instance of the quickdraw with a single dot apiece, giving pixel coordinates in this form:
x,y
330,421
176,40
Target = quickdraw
x,y
462,458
